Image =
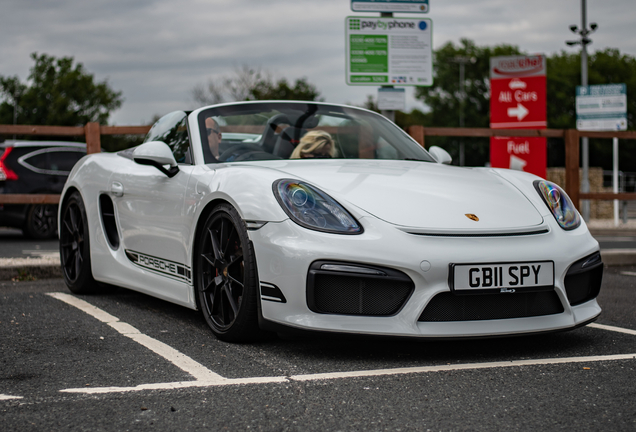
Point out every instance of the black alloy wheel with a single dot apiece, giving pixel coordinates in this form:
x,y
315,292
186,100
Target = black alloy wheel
x,y
41,221
75,246
226,276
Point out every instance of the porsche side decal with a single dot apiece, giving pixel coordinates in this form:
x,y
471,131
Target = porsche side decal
x,y
159,265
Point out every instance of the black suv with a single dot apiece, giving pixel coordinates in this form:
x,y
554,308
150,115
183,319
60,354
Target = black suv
x,y
35,167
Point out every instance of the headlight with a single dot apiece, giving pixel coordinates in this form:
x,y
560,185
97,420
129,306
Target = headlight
x,y
559,203
311,208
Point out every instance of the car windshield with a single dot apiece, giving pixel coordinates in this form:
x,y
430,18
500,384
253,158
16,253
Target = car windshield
x,y
278,130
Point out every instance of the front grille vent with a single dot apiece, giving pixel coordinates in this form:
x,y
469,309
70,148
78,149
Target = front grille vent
x,y
447,306
583,279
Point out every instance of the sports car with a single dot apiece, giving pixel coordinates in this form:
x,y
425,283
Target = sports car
x,y
269,215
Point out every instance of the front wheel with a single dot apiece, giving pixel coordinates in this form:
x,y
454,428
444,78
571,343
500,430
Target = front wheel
x,y
226,281
75,246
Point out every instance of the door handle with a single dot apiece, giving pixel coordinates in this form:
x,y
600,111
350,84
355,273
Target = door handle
x,y
117,189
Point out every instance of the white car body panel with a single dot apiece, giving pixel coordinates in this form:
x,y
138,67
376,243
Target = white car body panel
x,y
413,215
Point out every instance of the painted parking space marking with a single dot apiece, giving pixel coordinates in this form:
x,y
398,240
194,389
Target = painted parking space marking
x,y
9,397
465,366
353,374
206,378
612,328
175,357
628,273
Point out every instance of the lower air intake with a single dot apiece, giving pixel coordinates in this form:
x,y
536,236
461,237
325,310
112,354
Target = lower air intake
x,y
351,293
447,306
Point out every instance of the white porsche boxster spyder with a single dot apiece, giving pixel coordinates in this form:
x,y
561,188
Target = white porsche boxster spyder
x,y
246,212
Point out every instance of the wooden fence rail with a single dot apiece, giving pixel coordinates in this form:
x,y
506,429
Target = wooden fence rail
x,y
93,132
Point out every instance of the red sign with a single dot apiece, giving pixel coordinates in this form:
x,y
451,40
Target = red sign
x,y
518,103
527,154
518,100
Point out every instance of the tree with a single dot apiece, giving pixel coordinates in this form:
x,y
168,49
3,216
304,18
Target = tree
x,y
248,83
281,90
57,92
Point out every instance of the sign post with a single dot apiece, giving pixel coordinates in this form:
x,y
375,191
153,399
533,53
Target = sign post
x,y
603,108
409,6
518,94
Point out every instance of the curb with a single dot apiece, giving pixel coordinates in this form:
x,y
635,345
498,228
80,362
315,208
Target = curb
x,y
30,272
618,257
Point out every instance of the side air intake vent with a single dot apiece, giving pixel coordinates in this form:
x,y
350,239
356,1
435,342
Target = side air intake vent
x,y
107,212
354,289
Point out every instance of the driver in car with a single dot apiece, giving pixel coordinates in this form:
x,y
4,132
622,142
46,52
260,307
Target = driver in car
x,y
214,136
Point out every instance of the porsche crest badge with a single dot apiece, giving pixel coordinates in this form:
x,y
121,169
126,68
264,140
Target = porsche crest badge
x,y
472,217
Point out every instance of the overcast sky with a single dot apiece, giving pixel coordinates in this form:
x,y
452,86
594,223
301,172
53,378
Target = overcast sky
x,y
156,51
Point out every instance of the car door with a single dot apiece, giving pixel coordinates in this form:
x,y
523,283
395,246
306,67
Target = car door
x,y
150,206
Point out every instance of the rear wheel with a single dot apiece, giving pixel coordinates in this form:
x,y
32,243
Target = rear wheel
x,y
41,221
75,246
226,279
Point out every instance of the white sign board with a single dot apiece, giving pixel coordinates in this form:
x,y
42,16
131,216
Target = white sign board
x,y
601,107
391,99
409,6
388,51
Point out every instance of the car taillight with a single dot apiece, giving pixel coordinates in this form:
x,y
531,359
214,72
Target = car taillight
x,y
5,172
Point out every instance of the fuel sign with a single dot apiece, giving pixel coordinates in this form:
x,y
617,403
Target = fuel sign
x,y
518,95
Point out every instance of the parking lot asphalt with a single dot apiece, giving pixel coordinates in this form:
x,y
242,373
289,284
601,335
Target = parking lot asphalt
x,y
107,362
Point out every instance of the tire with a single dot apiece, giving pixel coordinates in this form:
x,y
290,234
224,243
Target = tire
x,y
75,247
41,221
225,276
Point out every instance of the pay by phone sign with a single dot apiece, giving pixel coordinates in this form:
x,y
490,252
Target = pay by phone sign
x,y
388,51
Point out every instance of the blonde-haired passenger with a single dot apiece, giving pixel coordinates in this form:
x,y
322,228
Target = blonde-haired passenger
x,y
315,144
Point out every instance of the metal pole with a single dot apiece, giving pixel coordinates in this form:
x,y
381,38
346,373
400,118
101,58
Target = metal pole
x,y
15,112
389,114
615,180
585,148
462,72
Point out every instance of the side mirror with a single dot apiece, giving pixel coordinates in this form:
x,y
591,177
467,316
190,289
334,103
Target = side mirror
x,y
440,155
156,154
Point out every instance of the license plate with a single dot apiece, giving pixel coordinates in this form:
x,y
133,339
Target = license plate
x,y
502,277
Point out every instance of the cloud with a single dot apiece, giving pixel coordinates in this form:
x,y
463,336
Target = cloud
x,y
156,51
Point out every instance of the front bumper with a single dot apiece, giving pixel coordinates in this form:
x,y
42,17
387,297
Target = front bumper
x,y
285,253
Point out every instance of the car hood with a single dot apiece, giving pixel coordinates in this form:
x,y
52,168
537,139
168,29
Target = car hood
x,y
423,195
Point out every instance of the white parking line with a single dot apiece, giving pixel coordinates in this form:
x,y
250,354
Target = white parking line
x,y
9,397
178,385
628,273
458,367
177,358
206,378
612,328
352,374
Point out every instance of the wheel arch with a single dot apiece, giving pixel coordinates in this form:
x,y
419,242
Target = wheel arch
x,y
203,216
63,200
207,210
